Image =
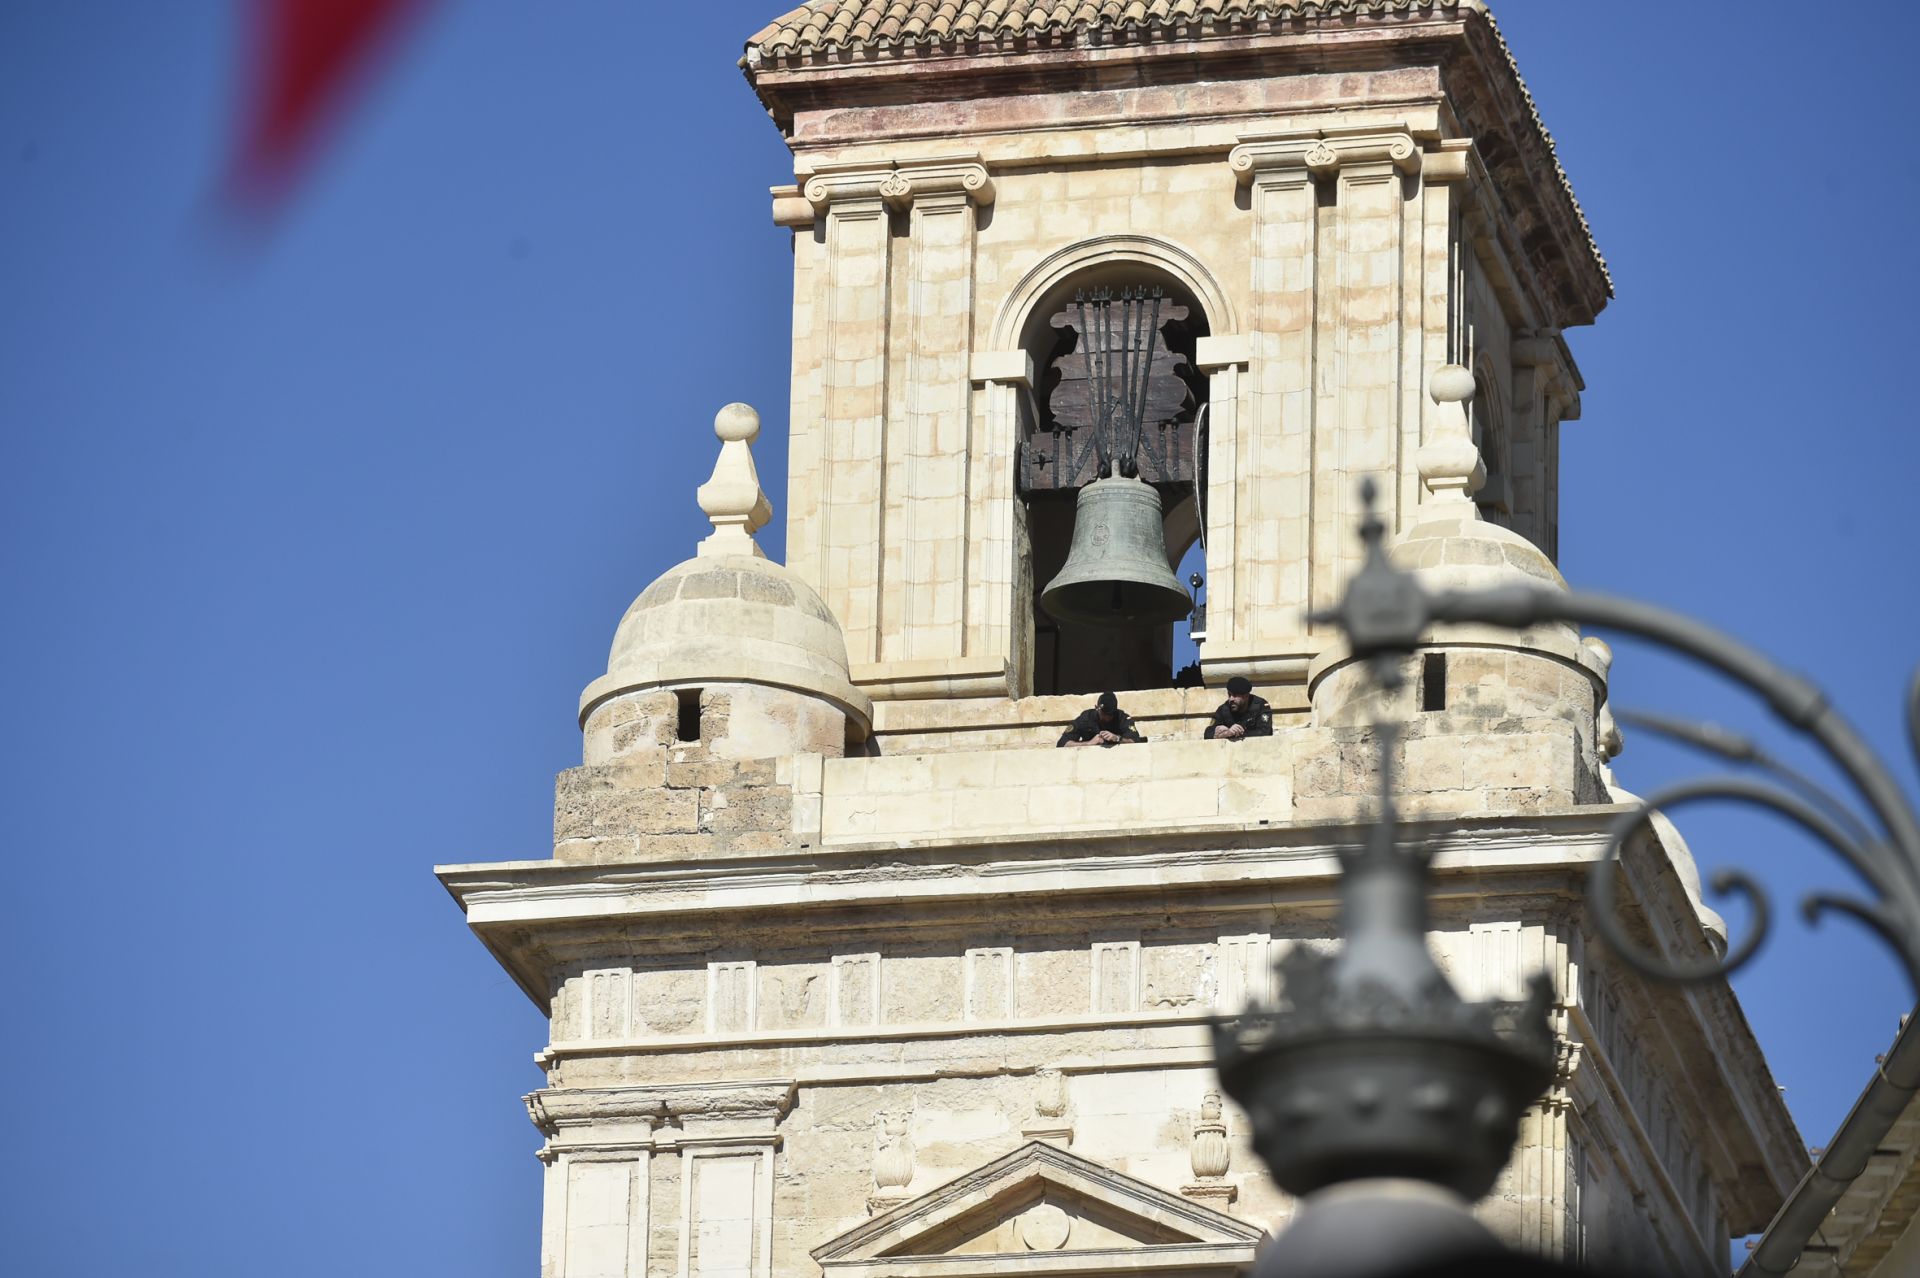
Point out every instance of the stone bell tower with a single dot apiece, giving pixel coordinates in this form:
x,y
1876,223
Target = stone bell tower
x,y
1342,204
849,969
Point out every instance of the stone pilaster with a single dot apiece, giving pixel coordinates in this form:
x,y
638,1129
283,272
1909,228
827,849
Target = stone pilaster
x,y
834,539
1361,366
614,1156
1271,463
880,484
1328,358
927,473
999,622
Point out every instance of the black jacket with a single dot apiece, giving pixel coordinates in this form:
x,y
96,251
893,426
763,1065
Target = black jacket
x,y
1256,718
1086,726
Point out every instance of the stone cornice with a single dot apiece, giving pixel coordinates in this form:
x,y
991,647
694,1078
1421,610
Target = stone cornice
x,y
1456,38
1322,154
554,1110
898,186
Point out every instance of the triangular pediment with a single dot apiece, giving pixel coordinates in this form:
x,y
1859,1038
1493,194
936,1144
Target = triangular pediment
x,y
1059,1212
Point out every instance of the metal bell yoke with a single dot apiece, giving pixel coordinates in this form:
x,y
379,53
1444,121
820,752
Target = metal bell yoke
x,y
1116,572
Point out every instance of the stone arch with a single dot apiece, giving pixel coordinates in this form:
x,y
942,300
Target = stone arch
x,y
1045,523
1054,271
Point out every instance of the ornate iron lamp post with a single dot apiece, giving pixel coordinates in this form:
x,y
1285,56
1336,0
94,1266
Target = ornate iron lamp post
x,y
1381,1097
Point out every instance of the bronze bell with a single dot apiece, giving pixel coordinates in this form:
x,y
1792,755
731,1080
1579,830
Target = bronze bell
x,y
1116,572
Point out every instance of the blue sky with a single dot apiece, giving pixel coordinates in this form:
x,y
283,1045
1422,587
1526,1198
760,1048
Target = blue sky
x,y
309,544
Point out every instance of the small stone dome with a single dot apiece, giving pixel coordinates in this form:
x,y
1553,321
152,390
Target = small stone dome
x,y
730,618
729,615
1464,552
1451,548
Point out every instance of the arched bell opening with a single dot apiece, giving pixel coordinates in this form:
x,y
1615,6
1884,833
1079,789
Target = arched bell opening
x,y
1116,397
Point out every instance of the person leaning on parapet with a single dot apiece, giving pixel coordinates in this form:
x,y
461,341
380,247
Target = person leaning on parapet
x,y
1241,715
1104,725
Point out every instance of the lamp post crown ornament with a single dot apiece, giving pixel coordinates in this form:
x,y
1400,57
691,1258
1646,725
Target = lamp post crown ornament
x,y
1379,1095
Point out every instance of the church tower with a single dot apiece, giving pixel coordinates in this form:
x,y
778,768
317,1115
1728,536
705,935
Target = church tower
x,y
849,968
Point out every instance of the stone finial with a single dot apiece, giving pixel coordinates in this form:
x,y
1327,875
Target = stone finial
x,y
1210,1156
1209,1151
892,1164
1449,461
732,498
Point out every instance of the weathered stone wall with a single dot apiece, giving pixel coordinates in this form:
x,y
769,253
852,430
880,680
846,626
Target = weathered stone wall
x,y
1338,261
874,1027
955,1033
655,797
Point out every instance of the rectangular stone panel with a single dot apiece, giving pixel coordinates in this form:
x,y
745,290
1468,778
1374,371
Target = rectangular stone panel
x,y
603,1238
1116,976
1243,971
856,989
730,997
722,1229
989,983
609,1003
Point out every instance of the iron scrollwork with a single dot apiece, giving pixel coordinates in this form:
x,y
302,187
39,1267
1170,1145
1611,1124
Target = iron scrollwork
x,y
1386,612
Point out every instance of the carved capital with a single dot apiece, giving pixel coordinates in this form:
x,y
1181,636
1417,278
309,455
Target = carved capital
x,y
1276,155
1271,155
961,176
896,185
845,184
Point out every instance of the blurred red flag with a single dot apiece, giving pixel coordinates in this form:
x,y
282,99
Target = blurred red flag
x,y
306,58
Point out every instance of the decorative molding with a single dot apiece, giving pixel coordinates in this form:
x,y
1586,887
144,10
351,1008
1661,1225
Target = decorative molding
x,y
1322,154
896,185
1148,250
1198,1239
962,175
554,1110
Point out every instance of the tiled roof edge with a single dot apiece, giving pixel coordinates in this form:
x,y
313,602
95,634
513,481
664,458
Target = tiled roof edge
x,y
822,40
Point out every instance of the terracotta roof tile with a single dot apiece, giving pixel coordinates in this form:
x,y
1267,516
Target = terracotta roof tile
x,y
834,26
827,27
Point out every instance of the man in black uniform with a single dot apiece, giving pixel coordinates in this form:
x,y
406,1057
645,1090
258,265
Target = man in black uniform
x,y
1104,725
1241,715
